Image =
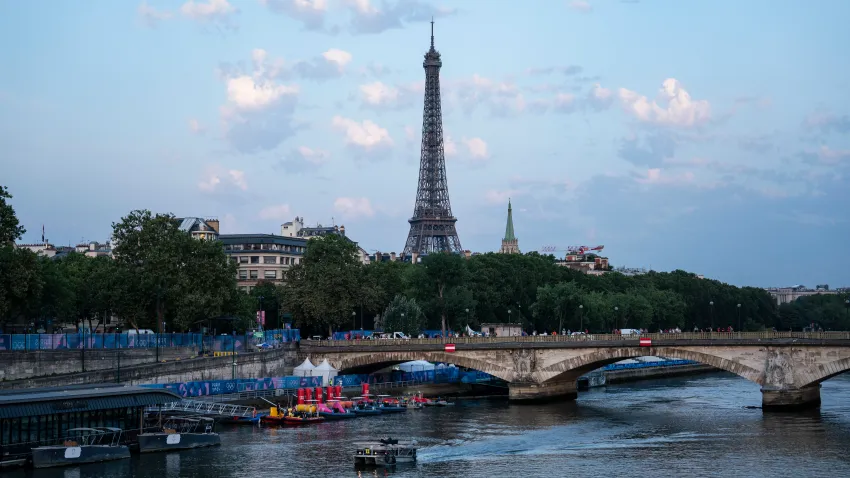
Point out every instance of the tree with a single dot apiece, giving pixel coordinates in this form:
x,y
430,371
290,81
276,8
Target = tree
x,y
435,276
165,270
403,315
10,229
20,284
323,288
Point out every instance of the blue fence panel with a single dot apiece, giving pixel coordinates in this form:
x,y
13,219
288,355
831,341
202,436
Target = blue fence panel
x,y
79,340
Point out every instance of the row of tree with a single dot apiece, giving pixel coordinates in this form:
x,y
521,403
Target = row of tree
x,y
160,274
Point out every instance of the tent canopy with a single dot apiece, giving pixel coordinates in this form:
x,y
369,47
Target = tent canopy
x,y
416,366
325,365
305,369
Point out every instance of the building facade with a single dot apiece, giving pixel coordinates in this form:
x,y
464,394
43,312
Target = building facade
x,y
200,228
786,295
510,244
262,256
587,263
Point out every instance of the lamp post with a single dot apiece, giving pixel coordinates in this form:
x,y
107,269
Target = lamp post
x,y
581,314
740,327
260,314
711,304
353,320
847,309
616,315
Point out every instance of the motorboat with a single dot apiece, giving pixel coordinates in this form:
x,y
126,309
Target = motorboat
x,y
301,415
384,452
179,433
387,405
82,445
364,406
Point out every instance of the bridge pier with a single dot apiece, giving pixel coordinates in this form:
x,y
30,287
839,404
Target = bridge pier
x,y
542,392
790,399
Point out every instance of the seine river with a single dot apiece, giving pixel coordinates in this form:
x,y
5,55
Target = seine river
x,y
697,426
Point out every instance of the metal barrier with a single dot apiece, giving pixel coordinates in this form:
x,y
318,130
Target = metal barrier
x,y
205,407
585,338
88,340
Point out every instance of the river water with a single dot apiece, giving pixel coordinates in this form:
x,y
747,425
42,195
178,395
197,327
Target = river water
x,y
695,426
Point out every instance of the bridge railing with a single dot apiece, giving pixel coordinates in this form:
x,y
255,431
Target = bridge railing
x,y
587,338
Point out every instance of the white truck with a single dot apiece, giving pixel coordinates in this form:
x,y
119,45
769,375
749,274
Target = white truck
x,y
393,335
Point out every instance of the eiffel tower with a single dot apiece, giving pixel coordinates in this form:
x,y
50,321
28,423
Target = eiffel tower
x,y
432,227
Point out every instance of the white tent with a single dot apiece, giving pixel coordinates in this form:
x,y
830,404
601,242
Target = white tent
x,y
326,371
305,369
416,366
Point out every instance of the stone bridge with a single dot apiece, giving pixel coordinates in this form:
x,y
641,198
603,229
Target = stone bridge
x,y
788,366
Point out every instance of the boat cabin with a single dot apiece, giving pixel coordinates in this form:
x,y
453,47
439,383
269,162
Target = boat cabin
x,y
35,417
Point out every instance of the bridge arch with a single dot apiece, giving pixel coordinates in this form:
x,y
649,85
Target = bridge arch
x,y
360,360
825,372
572,368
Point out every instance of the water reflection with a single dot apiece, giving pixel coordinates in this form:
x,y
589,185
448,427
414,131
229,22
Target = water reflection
x,y
696,426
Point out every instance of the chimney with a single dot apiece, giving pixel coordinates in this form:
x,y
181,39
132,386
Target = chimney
x,y
213,223
392,256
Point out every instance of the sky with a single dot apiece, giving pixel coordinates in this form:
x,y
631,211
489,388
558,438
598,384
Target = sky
x,y
709,136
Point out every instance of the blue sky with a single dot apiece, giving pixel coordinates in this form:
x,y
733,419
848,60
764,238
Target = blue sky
x,y
703,135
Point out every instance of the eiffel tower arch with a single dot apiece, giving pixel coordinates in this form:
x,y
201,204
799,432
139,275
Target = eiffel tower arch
x,y
432,227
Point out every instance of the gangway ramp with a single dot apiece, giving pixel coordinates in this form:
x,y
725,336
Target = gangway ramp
x,y
212,409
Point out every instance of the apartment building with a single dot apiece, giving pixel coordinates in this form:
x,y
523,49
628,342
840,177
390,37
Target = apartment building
x,y
262,256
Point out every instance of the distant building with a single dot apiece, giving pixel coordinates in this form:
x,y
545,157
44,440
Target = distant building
x,y
199,228
262,256
588,263
45,249
786,295
510,244
95,249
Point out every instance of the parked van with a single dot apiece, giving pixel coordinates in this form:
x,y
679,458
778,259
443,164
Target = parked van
x,y
393,335
138,332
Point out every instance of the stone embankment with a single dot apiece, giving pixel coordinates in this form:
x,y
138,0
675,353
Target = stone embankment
x,y
271,363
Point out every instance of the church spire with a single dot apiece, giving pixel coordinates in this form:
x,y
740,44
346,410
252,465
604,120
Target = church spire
x,y
510,245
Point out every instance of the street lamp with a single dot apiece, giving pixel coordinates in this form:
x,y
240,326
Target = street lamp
x,y
711,304
354,320
581,313
616,315
740,327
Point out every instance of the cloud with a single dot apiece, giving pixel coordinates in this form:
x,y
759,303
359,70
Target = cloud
x,y
217,179
380,96
279,212
832,156
213,11
367,18
581,6
309,12
676,107
151,16
566,70
828,123
503,98
476,147
599,98
353,207
196,127
365,136
258,111
656,176
330,64
648,150
756,144
303,158
493,196
450,148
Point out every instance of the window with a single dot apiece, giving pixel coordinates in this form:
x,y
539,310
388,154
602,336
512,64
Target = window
x,y
243,274
253,274
270,275
243,259
269,260
255,259
284,261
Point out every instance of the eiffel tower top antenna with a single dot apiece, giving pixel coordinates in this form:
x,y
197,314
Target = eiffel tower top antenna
x,y
432,33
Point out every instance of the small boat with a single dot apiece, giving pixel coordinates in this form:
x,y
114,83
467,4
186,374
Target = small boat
x,y
291,417
363,406
83,445
387,405
180,433
384,452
